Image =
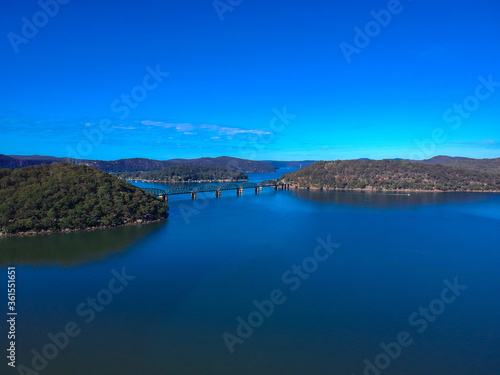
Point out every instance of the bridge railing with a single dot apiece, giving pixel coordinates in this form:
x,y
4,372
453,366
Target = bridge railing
x,y
155,191
229,187
214,188
205,188
249,185
179,190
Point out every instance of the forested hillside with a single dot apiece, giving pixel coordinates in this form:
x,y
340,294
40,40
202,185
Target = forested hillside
x,y
391,175
64,196
138,164
487,165
185,173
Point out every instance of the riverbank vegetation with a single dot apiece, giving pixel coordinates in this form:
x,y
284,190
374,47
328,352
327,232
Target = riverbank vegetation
x,y
486,165
391,175
63,196
186,173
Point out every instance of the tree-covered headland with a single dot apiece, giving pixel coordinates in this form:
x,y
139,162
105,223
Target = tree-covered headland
x,y
62,196
186,173
391,175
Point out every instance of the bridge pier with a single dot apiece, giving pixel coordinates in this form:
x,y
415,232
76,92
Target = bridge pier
x,y
163,195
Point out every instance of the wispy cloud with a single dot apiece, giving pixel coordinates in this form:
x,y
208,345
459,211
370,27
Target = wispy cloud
x,y
123,127
188,128
226,130
183,127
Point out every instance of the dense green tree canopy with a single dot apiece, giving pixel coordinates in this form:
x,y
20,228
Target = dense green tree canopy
x,y
391,175
487,165
184,173
64,196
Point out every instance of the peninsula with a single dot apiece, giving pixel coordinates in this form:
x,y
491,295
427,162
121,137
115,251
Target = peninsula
x,y
187,173
65,197
391,175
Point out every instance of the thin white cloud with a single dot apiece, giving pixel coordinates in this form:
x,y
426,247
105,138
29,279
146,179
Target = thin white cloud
x,y
178,127
125,127
187,128
226,130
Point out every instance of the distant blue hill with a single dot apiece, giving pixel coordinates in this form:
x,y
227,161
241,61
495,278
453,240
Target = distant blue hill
x,y
137,164
290,164
244,165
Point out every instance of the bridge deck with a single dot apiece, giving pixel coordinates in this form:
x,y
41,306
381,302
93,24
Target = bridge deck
x,y
209,188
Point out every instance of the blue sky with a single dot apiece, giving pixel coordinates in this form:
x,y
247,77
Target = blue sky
x,y
287,80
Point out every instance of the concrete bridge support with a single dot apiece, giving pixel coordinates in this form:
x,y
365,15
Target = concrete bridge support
x,y
163,196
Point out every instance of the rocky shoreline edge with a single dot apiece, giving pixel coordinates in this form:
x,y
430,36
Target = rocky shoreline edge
x,y
184,182
391,191
44,232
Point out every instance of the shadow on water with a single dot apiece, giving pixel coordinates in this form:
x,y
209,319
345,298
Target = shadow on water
x,y
383,200
69,249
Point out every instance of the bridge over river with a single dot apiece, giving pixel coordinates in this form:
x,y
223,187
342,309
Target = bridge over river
x,y
163,194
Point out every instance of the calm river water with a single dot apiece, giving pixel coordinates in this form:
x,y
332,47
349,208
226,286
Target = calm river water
x,y
283,282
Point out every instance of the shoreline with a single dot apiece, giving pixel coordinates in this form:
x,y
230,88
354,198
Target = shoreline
x,y
47,232
393,190
184,182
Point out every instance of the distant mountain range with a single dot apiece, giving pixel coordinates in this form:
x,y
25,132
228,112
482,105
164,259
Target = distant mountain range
x,y
244,165
440,159
290,164
487,165
138,164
